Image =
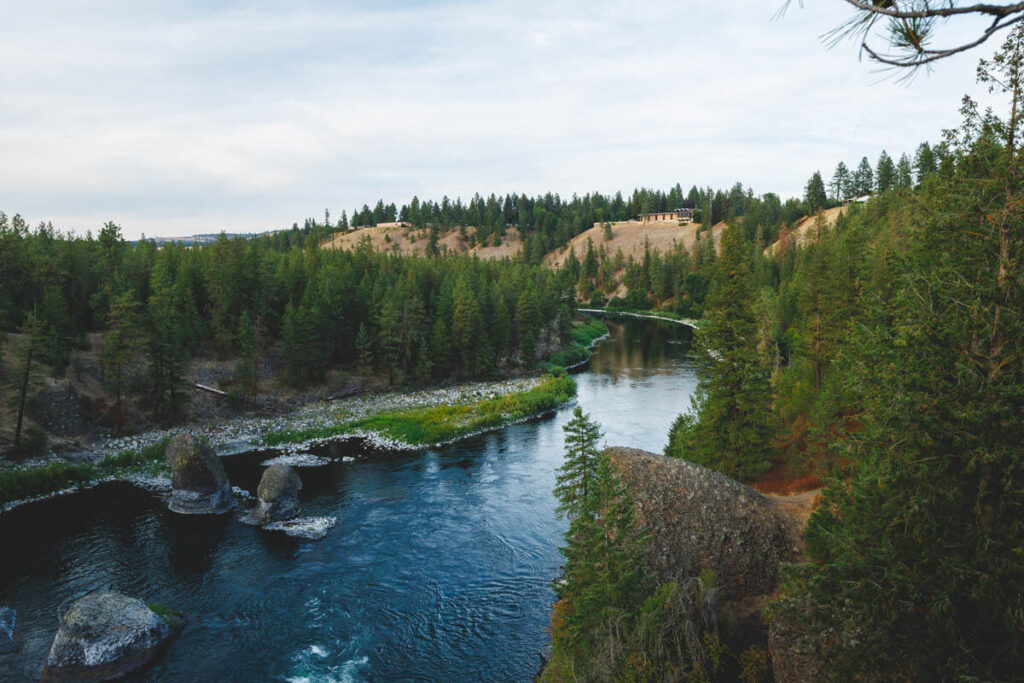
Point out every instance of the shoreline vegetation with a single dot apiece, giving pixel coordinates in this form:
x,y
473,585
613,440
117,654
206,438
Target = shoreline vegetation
x,y
393,421
439,424
29,483
583,339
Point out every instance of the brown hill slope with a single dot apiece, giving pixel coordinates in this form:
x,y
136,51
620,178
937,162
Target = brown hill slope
x,y
803,232
410,241
632,237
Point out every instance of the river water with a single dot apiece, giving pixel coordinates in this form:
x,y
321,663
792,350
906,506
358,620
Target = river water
x,y
439,568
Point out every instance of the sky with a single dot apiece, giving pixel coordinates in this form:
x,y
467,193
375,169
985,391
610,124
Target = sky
x,y
178,118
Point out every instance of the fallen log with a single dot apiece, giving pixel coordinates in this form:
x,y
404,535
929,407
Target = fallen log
x,y
203,387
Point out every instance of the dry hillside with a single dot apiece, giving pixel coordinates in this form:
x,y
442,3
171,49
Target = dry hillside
x,y
414,241
632,237
803,231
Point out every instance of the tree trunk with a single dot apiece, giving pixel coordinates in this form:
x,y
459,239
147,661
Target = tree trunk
x,y
120,414
24,391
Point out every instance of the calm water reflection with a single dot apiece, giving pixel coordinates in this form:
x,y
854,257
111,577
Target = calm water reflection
x,y
439,568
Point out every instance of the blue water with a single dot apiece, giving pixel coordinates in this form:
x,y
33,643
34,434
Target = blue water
x,y
439,568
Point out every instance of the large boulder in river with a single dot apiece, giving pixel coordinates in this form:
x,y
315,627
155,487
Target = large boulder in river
x,y
200,485
7,617
105,636
278,495
702,520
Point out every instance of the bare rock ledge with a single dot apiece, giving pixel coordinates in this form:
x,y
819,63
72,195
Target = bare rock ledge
x,y
702,520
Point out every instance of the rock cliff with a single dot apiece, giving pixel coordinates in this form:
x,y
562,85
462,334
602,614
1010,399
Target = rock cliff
x,y
701,520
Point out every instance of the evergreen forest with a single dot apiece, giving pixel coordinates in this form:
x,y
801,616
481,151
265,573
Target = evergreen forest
x,y
882,359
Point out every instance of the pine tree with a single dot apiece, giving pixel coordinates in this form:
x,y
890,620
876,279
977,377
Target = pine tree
x,y
364,352
885,173
389,340
840,184
729,429
606,576
924,162
294,341
527,324
120,343
863,178
441,347
917,555
247,369
467,333
167,350
32,330
579,467
814,194
904,174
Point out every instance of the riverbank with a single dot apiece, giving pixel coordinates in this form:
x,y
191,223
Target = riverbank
x,y
584,339
393,421
444,551
643,315
440,424
388,421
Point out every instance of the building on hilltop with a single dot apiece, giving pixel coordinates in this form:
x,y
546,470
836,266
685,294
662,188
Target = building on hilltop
x,y
856,200
684,215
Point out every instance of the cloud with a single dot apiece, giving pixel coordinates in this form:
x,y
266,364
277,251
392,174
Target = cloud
x,y
178,118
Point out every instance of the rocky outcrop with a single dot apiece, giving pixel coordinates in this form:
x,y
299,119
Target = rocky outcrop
x,y
701,520
278,495
200,485
7,617
105,636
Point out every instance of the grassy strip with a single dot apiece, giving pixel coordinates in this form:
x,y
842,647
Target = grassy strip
x,y
17,483
582,337
434,424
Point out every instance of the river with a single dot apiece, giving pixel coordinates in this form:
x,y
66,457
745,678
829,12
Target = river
x,y
439,568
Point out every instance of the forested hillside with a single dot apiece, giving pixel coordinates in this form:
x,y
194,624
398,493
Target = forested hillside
x,y
277,304
884,356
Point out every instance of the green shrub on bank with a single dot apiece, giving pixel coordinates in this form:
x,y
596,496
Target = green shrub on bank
x,y
17,483
434,424
583,336
586,334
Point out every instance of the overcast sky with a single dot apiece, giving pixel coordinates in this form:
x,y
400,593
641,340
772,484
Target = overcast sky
x,y
174,118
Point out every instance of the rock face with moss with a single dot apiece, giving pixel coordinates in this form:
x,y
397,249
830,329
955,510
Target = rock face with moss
x,y
200,485
701,520
105,636
278,494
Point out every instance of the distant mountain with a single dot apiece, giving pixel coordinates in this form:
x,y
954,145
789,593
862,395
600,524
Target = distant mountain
x,y
208,238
